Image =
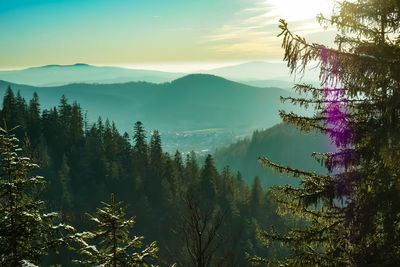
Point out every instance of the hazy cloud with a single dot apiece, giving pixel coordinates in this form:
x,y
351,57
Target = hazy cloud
x,y
253,30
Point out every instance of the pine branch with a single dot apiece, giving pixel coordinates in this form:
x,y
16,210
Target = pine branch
x,y
288,170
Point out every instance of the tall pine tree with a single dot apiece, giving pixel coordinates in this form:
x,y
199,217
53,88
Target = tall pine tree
x,y
352,214
140,153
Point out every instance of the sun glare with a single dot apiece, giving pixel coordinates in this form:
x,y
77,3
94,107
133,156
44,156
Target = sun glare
x,y
295,10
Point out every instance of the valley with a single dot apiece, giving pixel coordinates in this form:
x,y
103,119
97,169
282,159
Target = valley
x,y
199,112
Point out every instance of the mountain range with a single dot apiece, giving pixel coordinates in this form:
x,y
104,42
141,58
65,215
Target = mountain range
x,y
257,73
195,111
198,112
252,71
196,101
55,75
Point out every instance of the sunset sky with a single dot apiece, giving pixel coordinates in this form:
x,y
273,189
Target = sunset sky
x,y
151,32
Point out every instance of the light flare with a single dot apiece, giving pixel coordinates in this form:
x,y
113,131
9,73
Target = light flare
x,y
294,10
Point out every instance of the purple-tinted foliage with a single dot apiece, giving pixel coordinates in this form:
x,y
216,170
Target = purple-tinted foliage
x,y
343,184
343,158
338,126
337,117
335,110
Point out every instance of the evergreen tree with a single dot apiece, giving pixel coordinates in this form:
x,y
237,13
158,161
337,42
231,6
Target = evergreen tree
x,y
26,232
76,124
93,174
64,116
257,198
114,247
10,108
139,138
21,116
156,167
208,182
352,214
178,162
100,129
227,190
171,186
140,150
53,135
33,124
65,197
155,148
192,174
156,160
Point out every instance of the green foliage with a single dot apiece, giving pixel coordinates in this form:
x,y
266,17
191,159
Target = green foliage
x,y
26,231
96,160
208,181
115,246
282,143
140,151
351,216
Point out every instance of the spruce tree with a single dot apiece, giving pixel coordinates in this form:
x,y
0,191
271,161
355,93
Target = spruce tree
x,y
192,168
139,137
257,198
33,123
114,246
10,107
140,152
352,214
26,232
208,182
155,167
21,116
179,168
76,124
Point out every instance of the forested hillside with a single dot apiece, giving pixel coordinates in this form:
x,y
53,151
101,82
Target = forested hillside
x,y
84,163
195,101
282,143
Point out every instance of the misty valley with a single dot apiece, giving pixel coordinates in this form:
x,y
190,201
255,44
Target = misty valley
x,y
200,133
96,141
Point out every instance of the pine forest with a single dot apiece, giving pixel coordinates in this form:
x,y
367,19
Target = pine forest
x,y
160,153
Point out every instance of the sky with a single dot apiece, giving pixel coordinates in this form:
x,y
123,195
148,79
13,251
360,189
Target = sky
x,y
176,34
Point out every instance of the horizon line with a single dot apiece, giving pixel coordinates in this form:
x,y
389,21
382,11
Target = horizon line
x,y
168,66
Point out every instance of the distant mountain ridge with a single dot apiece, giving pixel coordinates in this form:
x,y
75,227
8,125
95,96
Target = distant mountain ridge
x,y
196,101
264,73
61,66
254,70
256,73
55,75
